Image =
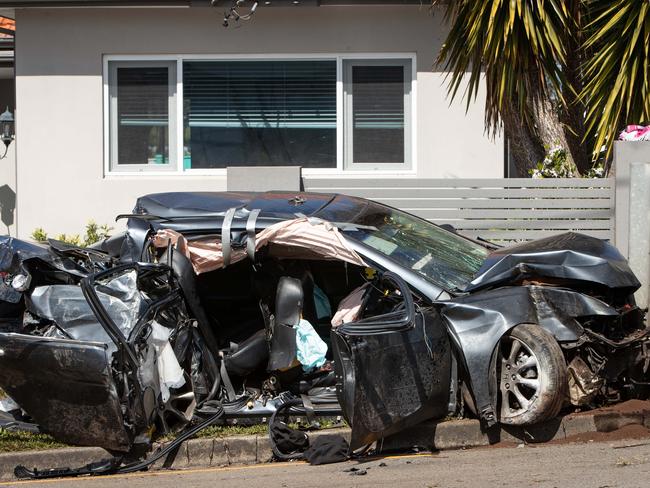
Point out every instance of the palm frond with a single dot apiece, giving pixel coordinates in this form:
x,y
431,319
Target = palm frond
x,y
617,85
516,45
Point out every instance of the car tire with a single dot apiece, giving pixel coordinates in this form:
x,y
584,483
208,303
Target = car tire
x,y
531,376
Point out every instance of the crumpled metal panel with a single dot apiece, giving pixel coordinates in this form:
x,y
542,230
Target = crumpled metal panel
x,y
478,321
18,256
388,382
570,256
77,401
69,309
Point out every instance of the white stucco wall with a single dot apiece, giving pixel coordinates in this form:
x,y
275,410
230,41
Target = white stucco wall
x,y
8,163
60,177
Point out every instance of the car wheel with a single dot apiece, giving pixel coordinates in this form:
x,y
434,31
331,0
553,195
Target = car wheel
x,y
531,376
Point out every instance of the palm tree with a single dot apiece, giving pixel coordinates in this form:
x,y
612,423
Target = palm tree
x,y
542,64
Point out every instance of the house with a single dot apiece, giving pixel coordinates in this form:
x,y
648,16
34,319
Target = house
x,y
115,99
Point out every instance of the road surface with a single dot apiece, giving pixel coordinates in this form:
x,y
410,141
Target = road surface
x,y
622,463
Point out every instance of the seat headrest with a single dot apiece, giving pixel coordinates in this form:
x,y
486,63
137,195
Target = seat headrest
x,y
288,301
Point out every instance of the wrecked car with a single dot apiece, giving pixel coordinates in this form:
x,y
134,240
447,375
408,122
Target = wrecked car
x,y
232,305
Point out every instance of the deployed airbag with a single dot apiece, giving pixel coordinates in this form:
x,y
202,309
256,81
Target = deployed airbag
x,y
169,371
315,237
310,348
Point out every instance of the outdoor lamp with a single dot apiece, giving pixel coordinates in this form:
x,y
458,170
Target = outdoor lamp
x,y
6,129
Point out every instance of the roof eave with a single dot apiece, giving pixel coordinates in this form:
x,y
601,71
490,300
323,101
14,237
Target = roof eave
x,y
182,3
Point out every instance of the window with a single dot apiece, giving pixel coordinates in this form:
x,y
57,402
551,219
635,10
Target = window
x,y
266,113
142,108
331,113
377,104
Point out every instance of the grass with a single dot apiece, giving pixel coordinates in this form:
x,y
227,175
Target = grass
x,y
255,429
225,431
26,441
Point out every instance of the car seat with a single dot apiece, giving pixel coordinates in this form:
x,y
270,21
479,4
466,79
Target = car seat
x,y
289,300
251,354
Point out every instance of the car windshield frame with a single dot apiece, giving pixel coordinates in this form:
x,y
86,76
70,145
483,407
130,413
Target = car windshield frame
x,y
403,238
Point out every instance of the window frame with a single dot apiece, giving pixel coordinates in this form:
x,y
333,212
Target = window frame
x,y
175,168
348,127
114,165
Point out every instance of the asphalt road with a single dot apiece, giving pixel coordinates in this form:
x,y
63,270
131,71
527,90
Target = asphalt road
x,y
594,464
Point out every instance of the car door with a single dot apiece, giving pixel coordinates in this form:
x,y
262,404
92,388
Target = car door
x,y
66,386
393,370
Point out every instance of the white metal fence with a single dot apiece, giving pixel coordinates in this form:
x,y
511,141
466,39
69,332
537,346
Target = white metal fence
x,y
495,209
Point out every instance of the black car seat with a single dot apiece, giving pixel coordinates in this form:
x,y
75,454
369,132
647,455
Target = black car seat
x,y
289,300
247,356
300,270
253,353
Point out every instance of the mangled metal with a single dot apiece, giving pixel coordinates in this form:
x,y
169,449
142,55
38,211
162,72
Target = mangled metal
x,y
567,258
66,386
413,359
71,316
191,317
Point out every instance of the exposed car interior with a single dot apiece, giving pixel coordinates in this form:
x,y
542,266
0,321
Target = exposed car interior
x,y
252,309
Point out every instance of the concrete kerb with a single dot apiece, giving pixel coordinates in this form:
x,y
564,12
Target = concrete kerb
x,y
455,434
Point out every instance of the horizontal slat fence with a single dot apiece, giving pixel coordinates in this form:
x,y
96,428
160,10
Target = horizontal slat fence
x,y
515,209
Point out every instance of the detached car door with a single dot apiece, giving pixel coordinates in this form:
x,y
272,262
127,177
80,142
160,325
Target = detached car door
x,y
393,370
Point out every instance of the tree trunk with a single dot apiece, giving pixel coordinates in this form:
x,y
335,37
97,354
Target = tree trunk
x,y
525,148
550,129
528,146
573,115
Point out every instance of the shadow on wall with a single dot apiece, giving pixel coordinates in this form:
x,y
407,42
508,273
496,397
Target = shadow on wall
x,y
7,206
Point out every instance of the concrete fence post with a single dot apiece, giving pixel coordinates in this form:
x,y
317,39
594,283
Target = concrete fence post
x,y
632,169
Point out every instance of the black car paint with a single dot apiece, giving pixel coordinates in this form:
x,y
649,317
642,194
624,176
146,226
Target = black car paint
x,y
475,318
478,321
569,256
77,399
414,383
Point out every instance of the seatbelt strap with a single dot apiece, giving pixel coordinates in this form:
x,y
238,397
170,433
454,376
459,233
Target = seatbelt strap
x,y
225,235
309,409
230,390
250,232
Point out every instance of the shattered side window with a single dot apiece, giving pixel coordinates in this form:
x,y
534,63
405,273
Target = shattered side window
x,y
442,257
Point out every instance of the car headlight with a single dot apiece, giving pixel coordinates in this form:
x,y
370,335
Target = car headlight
x,y
21,282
